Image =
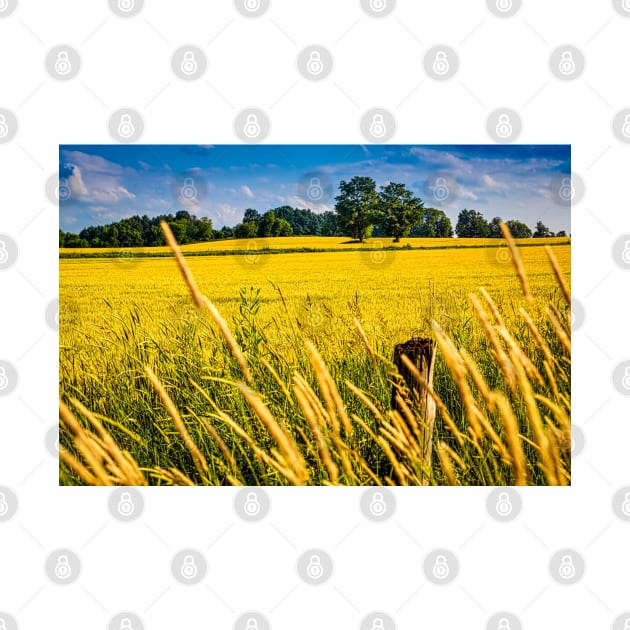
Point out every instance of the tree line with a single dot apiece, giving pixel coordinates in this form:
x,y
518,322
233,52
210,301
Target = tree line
x,y
360,211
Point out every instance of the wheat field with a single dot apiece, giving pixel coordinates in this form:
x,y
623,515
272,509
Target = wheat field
x,y
276,369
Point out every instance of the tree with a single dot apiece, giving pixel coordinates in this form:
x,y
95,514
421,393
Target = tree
x,y
398,210
542,231
471,224
561,233
495,228
251,215
356,207
266,224
282,227
249,229
434,224
518,229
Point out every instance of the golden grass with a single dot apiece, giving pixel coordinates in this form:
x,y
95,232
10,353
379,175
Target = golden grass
x,y
512,429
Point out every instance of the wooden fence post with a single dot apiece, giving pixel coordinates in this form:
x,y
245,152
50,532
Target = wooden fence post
x,y
421,352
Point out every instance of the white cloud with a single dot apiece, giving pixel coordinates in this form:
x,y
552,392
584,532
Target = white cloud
x,y
76,184
247,191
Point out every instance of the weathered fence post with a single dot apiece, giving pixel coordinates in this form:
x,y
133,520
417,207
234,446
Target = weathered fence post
x,y
421,352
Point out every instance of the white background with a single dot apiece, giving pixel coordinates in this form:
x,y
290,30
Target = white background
x,y
251,62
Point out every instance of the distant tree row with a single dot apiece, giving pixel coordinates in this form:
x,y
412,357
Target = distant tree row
x,y
472,224
360,212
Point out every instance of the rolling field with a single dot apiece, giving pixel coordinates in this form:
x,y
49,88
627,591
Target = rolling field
x,y
295,387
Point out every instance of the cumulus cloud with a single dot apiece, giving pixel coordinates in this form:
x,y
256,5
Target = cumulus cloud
x,y
247,191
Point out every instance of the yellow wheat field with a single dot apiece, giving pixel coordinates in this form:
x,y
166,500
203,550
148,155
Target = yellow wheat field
x,y
146,369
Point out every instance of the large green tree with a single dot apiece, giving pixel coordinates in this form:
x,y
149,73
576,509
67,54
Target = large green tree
x,y
471,224
398,209
356,207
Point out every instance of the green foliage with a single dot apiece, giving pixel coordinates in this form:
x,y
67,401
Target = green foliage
x,y
518,229
434,224
398,210
357,207
542,231
471,224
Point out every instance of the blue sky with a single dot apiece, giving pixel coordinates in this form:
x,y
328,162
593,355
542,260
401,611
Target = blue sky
x,y
100,184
